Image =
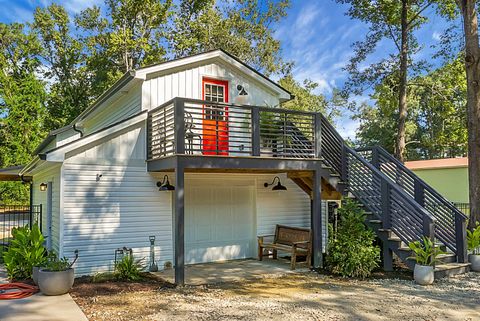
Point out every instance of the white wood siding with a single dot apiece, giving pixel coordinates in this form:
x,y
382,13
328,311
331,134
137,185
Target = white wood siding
x,y
188,83
52,174
127,105
121,208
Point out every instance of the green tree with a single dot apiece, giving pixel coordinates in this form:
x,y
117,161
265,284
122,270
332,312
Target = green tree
x,y
394,21
436,123
22,109
63,66
129,35
243,28
304,95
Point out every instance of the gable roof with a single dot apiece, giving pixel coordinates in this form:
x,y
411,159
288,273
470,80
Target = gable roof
x,y
142,73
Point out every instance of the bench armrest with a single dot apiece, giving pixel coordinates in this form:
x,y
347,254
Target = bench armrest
x,y
260,238
266,235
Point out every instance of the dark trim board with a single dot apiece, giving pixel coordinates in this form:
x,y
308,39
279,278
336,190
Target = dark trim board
x,y
242,164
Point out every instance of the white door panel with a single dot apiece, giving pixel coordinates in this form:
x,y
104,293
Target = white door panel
x,y
219,223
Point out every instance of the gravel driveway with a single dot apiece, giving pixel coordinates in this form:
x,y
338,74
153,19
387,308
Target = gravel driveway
x,y
296,297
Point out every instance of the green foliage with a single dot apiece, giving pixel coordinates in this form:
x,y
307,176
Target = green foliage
x,y
436,123
129,269
426,252
473,239
351,252
25,251
22,109
56,264
243,28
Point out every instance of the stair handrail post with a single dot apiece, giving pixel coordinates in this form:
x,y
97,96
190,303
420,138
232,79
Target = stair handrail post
x,y
428,227
419,192
318,135
179,125
461,239
375,157
255,119
344,164
386,204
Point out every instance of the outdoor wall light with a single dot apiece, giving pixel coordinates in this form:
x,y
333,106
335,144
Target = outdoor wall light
x,y
43,187
241,90
165,185
278,187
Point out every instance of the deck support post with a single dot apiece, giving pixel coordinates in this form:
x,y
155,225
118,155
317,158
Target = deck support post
x,y
316,221
179,223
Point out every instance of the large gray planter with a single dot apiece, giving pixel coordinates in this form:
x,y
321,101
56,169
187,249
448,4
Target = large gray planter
x,y
474,260
55,282
423,274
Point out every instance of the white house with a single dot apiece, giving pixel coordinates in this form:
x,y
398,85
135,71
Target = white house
x,y
102,170
188,151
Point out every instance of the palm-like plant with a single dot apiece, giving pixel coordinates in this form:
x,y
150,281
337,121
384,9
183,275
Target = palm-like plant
x,y
473,240
426,252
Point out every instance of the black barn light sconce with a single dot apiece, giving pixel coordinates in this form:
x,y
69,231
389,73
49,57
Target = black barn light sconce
x,y
43,187
278,187
165,185
241,90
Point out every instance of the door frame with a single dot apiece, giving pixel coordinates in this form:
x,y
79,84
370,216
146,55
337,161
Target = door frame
x,y
222,147
49,212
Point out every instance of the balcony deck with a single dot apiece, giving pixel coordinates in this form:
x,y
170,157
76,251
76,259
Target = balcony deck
x,y
207,136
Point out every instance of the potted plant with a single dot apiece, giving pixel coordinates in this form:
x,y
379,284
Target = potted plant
x,y
473,242
56,277
426,253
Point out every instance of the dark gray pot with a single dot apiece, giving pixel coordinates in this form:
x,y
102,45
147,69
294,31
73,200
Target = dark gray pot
x,y
35,270
55,282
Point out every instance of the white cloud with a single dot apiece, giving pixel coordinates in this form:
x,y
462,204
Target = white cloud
x,y
437,36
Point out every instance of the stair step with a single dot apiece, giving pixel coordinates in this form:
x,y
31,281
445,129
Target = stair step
x,y
375,221
446,258
334,175
450,269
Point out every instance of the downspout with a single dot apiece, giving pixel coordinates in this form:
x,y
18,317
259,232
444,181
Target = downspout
x,y
74,127
30,183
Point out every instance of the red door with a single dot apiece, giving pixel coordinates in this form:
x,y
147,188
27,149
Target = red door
x,y
215,118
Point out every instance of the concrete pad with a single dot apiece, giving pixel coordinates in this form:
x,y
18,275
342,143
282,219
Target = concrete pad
x,y
39,307
233,271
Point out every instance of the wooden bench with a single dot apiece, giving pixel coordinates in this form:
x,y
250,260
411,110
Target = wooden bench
x,y
295,240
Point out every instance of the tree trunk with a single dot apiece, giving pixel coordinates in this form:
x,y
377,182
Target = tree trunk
x,y
472,67
402,90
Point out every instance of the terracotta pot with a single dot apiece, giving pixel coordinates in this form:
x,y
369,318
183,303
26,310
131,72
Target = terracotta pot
x,y
423,274
474,260
55,282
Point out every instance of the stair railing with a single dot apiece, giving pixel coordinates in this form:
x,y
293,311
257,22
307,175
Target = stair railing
x,y
377,192
450,221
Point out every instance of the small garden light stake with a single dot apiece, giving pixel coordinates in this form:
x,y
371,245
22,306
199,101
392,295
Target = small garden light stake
x,y
153,266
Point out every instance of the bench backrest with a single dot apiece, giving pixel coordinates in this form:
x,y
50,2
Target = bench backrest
x,y
288,234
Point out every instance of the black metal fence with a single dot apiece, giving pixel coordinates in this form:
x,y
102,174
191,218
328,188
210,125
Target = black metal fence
x,y
464,207
17,216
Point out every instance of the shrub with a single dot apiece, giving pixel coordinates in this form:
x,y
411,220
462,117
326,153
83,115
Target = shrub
x,y
25,251
426,252
128,268
351,252
473,239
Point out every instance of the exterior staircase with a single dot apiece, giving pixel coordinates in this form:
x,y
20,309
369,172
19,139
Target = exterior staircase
x,y
400,207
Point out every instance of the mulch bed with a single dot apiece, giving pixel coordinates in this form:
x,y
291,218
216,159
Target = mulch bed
x,y
84,287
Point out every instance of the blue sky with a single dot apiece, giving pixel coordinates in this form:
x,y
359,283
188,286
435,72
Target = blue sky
x,y
316,35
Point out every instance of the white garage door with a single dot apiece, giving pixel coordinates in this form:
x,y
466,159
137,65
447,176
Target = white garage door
x,y
219,223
